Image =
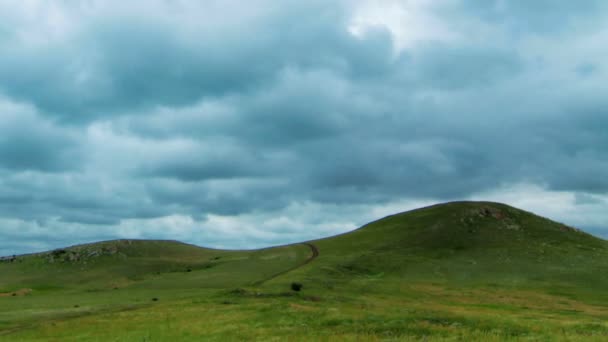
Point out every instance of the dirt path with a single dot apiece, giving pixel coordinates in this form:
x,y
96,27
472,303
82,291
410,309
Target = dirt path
x,y
314,254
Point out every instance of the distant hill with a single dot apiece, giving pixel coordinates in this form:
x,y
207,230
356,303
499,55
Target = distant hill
x,y
120,263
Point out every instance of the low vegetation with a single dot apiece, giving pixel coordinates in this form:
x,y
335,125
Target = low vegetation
x,y
457,271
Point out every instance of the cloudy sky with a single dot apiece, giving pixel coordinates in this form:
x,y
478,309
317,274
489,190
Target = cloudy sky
x,y
238,124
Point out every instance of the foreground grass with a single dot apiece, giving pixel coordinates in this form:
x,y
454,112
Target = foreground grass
x,y
417,312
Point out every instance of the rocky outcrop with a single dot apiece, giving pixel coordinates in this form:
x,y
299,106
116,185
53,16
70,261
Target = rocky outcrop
x,y
82,254
503,217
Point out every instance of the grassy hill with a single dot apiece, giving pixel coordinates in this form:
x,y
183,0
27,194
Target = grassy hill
x,y
466,243
455,271
126,263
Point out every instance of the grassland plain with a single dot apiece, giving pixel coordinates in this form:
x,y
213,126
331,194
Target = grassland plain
x,y
459,271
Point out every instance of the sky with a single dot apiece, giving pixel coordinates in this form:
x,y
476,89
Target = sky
x,y
234,124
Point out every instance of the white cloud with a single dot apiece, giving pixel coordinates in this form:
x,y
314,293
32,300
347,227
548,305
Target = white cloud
x,y
410,22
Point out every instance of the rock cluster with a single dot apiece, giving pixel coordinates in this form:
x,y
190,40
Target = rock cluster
x,y
81,254
502,217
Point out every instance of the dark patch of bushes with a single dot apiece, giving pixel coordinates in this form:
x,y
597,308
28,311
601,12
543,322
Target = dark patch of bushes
x,y
296,286
238,291
58,252
155,299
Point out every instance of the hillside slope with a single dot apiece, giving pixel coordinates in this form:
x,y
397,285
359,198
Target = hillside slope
x,y
123,263
463,243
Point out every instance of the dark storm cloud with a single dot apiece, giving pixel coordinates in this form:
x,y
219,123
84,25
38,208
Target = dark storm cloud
x,y
113,114
34,150
132,61
28,142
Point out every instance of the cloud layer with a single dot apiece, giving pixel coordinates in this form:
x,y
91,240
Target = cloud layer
x,y
246,125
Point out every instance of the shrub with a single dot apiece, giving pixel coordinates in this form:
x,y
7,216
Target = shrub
x,y
296,286
58,252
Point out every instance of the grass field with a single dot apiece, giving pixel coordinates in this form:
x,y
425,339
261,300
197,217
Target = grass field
x,y
457,271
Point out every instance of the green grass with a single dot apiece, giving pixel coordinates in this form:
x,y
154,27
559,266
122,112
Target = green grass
x,y
458,271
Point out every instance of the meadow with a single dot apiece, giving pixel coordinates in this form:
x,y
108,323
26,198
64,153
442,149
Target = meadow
x,y
459,271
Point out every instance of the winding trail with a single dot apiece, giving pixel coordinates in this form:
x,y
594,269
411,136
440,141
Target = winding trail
x,y
314,254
